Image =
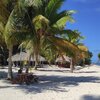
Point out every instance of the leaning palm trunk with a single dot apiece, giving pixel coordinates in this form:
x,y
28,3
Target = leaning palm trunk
x,y
10,74
36,62
71,65
27,68
35,57
36,53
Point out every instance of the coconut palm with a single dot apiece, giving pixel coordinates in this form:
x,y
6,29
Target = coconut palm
x,y
36,21
75,37
5,13
11,17
49,24
45,30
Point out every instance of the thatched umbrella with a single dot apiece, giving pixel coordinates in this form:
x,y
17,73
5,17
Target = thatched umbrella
x,y
19,57
40,58
63,58
22,56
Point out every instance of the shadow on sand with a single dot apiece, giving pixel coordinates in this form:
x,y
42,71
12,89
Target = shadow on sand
x,y
87,72
90,97
55,70
3,74
55,83
51,82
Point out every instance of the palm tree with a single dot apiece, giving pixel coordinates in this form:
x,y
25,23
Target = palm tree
x,y
38,23
75,37
5,13
11,17
46,25
49,24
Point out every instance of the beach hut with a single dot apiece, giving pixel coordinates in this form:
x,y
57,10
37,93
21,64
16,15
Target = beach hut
x,y
63,61
40,58
25,56
19,56
63,58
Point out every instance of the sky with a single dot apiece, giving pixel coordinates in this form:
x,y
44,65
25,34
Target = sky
x,y
87,21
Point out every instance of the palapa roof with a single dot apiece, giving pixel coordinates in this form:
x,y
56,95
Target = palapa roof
x,y
63,58
25,56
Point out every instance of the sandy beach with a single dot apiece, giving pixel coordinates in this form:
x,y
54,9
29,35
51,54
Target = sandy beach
x,y
55,84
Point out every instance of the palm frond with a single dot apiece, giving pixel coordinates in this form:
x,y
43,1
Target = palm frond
x,y
4,12
29,3
40,22
65,45
52,7
65,16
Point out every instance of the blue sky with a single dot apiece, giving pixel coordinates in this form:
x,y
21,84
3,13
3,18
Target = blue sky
x,y
87,22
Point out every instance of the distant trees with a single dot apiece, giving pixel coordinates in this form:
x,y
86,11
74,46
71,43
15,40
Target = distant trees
x,y
99,56
87,60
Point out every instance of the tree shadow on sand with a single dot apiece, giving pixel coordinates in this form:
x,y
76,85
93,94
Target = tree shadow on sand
x,y
90,97
54,83
51,82
55,70
87,72
3,74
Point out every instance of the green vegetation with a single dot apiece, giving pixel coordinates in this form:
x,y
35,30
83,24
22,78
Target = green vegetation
x,y
87,60
39,26
99,56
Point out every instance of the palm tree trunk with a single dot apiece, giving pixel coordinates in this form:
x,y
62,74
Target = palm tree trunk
x,y
27,68
35,58
10,74
21,62
36,62
71,65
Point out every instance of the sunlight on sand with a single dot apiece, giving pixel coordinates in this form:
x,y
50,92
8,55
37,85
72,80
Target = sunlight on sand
x,y
55,84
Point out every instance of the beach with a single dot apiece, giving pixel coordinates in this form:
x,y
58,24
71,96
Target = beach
x,y
55,84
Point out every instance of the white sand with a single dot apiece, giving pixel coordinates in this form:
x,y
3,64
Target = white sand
x,y
55,84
